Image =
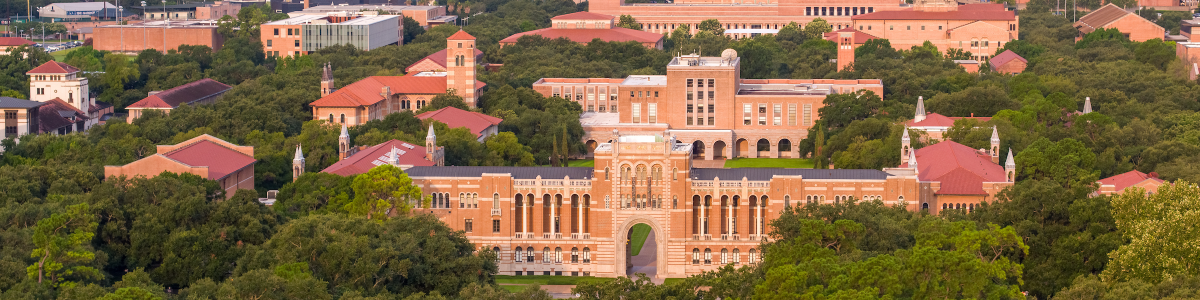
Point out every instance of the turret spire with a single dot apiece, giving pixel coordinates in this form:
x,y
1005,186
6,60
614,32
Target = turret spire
x,y
920,114
1087,105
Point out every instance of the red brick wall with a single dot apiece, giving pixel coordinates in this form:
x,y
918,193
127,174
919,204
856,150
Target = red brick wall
x,y
1138,29
1012,67
135,39
284,44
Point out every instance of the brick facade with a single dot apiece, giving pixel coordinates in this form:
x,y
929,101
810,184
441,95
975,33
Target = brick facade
x,y
135,38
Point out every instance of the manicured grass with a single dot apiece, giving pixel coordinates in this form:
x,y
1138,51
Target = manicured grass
x,y
638,236
548,280
670,281
799,163
582,163
62,54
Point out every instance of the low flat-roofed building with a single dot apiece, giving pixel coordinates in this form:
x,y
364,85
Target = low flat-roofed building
x,y
158,35
73,11
426,15
1134,27
308,33
203,91
584,27
976,28
230,165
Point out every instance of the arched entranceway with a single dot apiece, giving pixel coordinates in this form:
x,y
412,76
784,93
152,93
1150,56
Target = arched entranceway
x,y
719,150
743,148
764,148
641,251
652,258
591,148
698,150
785,148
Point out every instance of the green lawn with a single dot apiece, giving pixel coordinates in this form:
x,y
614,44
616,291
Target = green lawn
x,y
800,163
548,280
638,238
62,54
670,281
582,163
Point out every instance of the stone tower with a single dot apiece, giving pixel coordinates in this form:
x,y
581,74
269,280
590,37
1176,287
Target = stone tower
x,y
845,54
432,151
1010,167
327,80
995,150
343,143
297,164
460,65
905,146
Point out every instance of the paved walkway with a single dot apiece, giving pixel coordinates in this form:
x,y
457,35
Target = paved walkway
x,y
717,163
646,261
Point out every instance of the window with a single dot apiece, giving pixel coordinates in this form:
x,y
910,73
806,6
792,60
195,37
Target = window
x,y
558,257
707,256
695,256
746,117
546,256
637,113
778,114
467,227
41,91
753,256
574,256
653,112
922,27
10,114
587,257
10,131
655,94
791,114
517,255
808,115
762,114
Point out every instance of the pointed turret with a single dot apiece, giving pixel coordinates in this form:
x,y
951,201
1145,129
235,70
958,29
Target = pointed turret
x,y
432,151
297,164
1010,166
1087,105
920,115
905,146
995,150
394,157
344,143
327,80
912,161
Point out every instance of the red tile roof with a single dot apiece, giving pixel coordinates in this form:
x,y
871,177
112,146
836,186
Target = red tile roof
x,y
964,12
938,120
378,155
14,41
461,35
367,91
51,115
1102,17
220,160
53,67
454,117
859,36
439,58
617,34
1005,57
1125,180
960,169
583,15
188,93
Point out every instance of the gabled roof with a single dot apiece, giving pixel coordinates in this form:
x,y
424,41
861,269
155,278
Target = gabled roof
x,y
1127,179
378,155
1101,17
52,115
439,58
220,160
454,117
616,34
14,41
1005,57
583,15
461,35
369,90
187,93
859,36
53,67
960,169
992,12
938,120
10,102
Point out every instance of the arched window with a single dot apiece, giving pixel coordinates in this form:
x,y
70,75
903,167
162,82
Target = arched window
x,y
674,202
707,256
605,173
574,255
497,251
724,256
675,174
517,253
657,171
558,254
546,256
924,206
787,201
474,200
343,119
496,201
330,118
753,256
587,255
462,201
737,257
695,256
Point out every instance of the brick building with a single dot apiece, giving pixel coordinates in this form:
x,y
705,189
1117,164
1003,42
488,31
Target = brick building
x,y
377,96
583,27
158,35
755,17
480,124
1118,183
59,82
954,176
704,102
357,160
309,33
231,166
1132,25
935,125
978,28
8,43
1008,62
20,116
203,91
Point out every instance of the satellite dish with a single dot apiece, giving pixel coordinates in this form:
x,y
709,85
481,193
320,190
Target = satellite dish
x,y
728,54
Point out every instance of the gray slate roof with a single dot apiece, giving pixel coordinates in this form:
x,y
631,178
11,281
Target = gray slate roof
x,y
764,174
517,172
10,102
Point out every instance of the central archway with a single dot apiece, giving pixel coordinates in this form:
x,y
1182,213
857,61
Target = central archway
x,y
652,257
640,250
